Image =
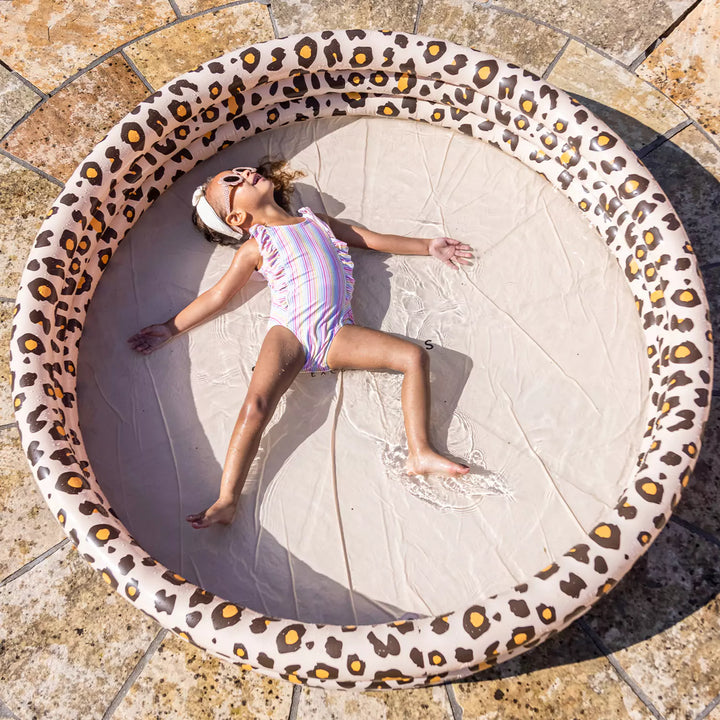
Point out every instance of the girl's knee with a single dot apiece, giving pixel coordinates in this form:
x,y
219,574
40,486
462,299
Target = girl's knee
x,y
255,410
415,357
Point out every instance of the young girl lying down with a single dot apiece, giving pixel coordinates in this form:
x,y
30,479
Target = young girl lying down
x,y
306,263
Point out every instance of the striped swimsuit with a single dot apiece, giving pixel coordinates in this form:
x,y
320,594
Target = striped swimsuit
x,y
309,272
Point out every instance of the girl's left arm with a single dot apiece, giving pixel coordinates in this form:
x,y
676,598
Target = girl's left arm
x,y
445,249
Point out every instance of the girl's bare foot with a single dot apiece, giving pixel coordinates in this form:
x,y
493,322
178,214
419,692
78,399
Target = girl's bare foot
x,y
424,463
219,512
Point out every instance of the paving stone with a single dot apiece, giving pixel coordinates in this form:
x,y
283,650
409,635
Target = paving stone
x,y
295,16
181,681
188,7
512,38
25,198
419,704
27,527
688,169
60,133
623,30
168,53
16,99
686,65
662,622
634,109
69,641
47,41
565,678
6,412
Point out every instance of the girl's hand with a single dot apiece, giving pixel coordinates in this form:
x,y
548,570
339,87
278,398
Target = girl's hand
x,y
150,338
450,251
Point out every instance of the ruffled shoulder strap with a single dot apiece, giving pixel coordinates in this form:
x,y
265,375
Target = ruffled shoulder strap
x,y
257,231
308,213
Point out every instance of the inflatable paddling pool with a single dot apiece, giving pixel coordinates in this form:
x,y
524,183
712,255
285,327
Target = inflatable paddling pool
x,y
577,385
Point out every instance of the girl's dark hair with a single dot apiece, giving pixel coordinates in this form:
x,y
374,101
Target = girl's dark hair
x,y
281,176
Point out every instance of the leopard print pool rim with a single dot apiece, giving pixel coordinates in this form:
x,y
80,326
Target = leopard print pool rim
x,y
386,74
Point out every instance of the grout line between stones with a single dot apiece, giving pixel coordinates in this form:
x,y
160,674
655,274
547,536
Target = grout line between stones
x,y
417,17
640,59
709,266
457,711
175,8
24,81
294,702
137,71
136,671
6,713
43,97
583,624
19,122
28,166
707,135
555,60
691,527
7,299
7,426
273,21
713,704
29,566
662,139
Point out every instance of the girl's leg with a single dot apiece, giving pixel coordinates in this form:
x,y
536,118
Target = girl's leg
x,y
360,348
280,360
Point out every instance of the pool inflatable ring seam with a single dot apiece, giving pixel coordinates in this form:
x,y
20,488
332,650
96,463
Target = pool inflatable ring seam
x,y
328,73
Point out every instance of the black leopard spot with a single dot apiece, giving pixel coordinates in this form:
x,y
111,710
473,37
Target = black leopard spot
x,y
440,625
603,141
71,483
545,573
519,608
579,553
485,72
434,51
521,636
382,649
606,535
333,647
107,575
92,172
323,672
546,613
133,134
164,602
573,586
225,615
475,621
289,638
132,589
355,665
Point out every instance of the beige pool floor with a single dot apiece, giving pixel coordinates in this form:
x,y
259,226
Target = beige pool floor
x,y
69,646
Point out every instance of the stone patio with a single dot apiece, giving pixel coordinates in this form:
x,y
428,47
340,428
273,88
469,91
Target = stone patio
x,y
70,647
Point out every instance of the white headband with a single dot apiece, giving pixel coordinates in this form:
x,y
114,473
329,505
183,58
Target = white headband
x,y
209,217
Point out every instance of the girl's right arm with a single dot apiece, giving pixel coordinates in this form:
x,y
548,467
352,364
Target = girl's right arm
x,y
205,305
